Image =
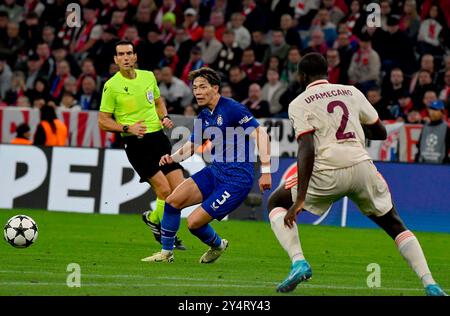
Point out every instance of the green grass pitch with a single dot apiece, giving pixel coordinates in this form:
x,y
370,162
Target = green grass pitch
x,y
108,249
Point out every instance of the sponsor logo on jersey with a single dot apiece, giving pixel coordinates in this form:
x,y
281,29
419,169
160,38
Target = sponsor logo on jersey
x,y
245,119
219,120
225,196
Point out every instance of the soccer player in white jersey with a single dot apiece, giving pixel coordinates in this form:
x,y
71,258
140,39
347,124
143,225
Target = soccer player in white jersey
x,y
331,122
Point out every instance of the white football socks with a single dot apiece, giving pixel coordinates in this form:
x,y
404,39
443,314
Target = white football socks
x,y
288,237
409,247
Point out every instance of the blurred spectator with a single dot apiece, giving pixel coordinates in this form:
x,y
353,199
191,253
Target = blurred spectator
x,y
48,35
226,90
260,47
30,31
132,35
432,32
410,21
17,88
60,53
426,63
190,24
168,27
345,49
86,36
217,20
47,64
23,102
40,90
257,106
70,85
292,91
175,92
145,17
254,70
183,45
62,74
374,97
424,83
364,71
5,76
4,19
167,6
385,10
88,70
274,63
276,9
89,97
50,131
14,10
230,54
429,97
336,73
241,34
69,102
336,14
13,46
33,70
255,19
290,72
203,8
195,62
127,7
356,18
278,46
118,23
434,141
272,91
444,95
38,103
396,86
103,51
322,22
35,6
170,58
105,12
150,52
414,117
209,45
239,83
317,44
291,35
189,111
23,135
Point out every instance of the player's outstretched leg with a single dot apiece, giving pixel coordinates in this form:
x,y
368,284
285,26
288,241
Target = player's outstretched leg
x,y
208,235
169,227
289,240
410,249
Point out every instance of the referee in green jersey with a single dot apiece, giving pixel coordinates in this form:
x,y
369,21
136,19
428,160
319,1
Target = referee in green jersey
x,y
131,104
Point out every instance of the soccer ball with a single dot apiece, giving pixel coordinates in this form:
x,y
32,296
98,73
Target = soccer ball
x,y
21,231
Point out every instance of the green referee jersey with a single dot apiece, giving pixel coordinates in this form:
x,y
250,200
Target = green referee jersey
x,y
132,100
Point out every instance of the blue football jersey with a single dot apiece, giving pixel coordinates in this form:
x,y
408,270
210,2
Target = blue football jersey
x,y
228,127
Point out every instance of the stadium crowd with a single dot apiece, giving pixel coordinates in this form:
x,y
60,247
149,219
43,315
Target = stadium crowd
x,y
402,66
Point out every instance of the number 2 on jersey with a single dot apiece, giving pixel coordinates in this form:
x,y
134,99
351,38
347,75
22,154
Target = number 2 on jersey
x,y
340,132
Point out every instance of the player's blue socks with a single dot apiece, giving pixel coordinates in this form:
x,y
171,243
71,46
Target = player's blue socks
x,y
208,235
169,226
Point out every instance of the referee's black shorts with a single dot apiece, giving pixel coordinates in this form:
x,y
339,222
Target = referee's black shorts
x,y
145,153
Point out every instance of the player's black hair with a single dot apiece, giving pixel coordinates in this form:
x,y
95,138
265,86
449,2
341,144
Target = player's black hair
x,y
313,65
210,75
48,114
123,42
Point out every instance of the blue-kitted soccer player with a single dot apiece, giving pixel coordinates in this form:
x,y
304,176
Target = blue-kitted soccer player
x,y
222,186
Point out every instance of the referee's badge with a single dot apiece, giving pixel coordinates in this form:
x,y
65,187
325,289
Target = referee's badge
x,y
150,97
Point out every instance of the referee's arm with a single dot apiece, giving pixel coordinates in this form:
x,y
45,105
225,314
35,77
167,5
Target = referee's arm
x,y
107,123
163,115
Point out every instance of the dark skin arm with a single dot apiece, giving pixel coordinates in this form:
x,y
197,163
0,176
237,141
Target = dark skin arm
x,y
375,131
305,164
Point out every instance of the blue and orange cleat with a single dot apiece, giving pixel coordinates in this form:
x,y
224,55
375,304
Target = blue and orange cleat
x,y
435,290
300,271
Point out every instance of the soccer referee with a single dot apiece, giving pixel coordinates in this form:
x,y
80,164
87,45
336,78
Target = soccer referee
x,y
131,105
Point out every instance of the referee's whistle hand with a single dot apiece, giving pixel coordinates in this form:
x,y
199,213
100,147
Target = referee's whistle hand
x,y
138,128
166,159
167,123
